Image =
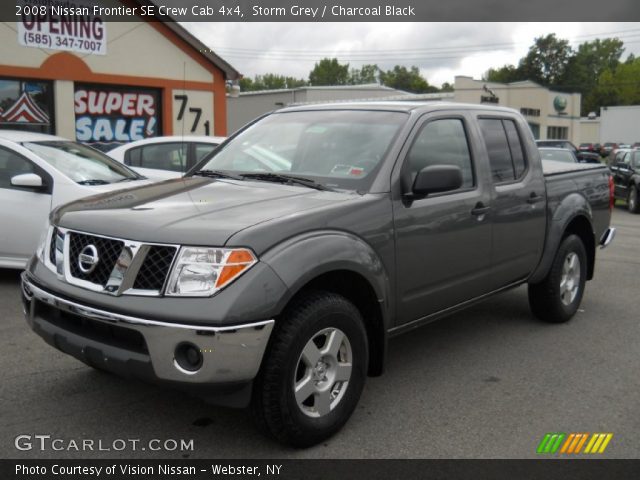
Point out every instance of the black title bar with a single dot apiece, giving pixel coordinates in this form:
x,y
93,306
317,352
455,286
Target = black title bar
x,y
327,10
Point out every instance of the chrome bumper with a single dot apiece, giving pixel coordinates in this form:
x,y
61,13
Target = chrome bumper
x,y
229,354
607,237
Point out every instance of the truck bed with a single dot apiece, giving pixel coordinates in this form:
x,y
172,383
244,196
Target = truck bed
x,y
551,167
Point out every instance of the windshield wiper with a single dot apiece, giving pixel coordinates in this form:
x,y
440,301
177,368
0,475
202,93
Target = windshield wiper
x,y
216,174
94,181
286,179
131,179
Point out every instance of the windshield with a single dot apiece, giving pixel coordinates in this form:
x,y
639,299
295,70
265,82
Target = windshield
x,y
80,163
558,155
336,148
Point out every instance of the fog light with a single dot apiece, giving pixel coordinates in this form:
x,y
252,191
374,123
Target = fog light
x,y
188,357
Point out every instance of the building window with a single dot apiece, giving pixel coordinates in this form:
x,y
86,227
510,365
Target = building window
x,y
535,129
557,133
530,112
26,105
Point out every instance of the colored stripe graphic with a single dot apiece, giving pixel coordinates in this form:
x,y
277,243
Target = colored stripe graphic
x,y
550,442
573,443
598,443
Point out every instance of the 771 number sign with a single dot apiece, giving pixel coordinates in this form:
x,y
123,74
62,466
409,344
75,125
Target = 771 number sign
x,y
194,111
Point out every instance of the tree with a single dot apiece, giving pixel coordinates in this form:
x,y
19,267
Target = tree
x,y
504,74
620,86
408,80
329,72
547,60
366,74
270,81
590,61
446,87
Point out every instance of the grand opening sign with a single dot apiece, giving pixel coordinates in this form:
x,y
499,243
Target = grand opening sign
x,y
115,114
51,26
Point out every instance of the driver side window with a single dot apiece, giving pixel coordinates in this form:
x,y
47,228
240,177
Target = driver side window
x,y
442,142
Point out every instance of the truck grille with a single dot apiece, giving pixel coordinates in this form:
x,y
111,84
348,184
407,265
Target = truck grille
x,y
108,252
52,246
155,268
110,265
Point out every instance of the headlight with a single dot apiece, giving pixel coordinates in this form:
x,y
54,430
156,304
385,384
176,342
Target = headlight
x,y
201,272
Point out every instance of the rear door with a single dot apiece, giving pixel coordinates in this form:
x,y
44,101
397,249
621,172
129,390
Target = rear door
x,y
518,199
443,241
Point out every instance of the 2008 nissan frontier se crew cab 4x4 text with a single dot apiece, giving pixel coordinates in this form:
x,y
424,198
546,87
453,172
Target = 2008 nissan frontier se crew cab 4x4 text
x,y
275,271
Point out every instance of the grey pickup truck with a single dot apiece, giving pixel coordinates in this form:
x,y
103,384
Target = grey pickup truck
x,y
274,273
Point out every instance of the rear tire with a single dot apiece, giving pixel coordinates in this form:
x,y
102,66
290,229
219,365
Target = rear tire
x,y
557,298
632,200
313,372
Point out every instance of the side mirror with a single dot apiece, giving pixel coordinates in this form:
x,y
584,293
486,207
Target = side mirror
x,y
28,180
436,179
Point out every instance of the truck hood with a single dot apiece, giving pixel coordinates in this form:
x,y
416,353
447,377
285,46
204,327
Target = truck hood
x,y
193,210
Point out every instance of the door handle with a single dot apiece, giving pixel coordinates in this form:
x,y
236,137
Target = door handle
x,y
480,209
533,198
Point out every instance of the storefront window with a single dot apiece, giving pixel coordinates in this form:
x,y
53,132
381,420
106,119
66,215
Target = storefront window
x,y
26,105
109,115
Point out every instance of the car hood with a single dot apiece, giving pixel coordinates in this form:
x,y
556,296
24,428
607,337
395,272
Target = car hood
x,y
193,210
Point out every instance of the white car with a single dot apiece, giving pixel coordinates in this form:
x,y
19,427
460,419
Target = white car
x,y
39,172
160,158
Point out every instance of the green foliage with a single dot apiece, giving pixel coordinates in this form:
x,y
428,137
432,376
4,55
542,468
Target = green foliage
x,y
547,60
366,74
620,86
589,70
409,80
270,81
329,71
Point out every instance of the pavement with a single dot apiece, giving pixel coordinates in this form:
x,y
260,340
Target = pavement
x,y
488,382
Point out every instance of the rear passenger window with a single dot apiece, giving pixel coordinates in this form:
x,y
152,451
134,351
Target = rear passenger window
x,y
506,156
164,156
442,142
517,155
203,149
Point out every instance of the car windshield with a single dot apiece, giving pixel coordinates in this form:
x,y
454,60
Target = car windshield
x,y
80,163
557,155
335,148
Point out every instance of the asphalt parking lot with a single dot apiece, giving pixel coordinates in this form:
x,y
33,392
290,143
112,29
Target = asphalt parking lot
x,y
486,383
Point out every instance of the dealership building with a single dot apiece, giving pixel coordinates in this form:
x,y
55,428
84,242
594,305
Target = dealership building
x,y
110,82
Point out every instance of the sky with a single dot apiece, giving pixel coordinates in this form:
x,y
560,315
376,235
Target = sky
x,y
440,50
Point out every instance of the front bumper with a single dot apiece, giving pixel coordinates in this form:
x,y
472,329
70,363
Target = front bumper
x,y
133,346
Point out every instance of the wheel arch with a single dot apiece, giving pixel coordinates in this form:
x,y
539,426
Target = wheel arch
x,y
340,263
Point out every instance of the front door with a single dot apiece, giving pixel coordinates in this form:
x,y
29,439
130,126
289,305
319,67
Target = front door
x,y
443,241
23,211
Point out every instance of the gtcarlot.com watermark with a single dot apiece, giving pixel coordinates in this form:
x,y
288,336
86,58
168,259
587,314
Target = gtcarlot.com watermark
x,y
42,443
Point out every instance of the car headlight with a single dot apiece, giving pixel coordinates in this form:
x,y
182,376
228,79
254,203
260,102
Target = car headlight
x,y
201,271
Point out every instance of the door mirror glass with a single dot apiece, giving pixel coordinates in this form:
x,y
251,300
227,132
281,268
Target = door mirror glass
x,y
437,179
29,180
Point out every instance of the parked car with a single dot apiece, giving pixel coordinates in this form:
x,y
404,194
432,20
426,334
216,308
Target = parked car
x,y
635,145
583,156
625,169
588,147
160,158
39,172
281,289
607,148
558,154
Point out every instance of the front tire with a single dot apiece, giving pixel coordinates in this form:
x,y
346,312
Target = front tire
x,y
557,298
632,200
313,372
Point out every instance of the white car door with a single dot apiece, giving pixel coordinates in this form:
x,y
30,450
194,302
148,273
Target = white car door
x,y
23,210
